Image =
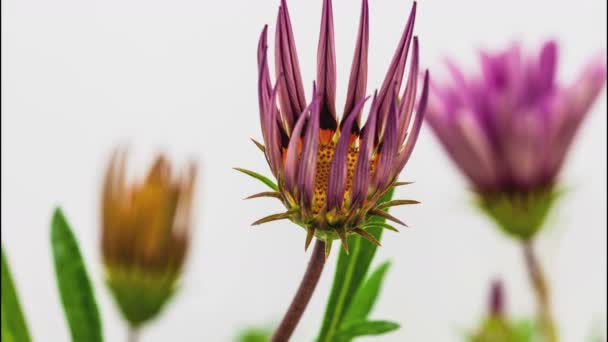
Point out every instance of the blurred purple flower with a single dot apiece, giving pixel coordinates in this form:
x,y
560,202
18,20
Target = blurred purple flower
x,y
332,172
509,128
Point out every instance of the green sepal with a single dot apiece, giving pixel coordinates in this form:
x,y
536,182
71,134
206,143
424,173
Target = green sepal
x,y
140,295
259,177
519,215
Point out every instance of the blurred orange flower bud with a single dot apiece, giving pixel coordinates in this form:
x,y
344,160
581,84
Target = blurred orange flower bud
x,y
145,234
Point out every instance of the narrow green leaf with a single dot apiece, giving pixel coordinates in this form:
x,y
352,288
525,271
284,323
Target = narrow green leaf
x,y
366,295
350,272
365,328
75,288
259,177
14,327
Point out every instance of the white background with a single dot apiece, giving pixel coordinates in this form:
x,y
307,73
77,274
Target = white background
x,y
79,77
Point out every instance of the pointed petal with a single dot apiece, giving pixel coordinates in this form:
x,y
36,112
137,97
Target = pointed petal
x,y
291,159
310,233
394,203
358,73
367,236
408,99
548,65
326,69
265,87
342,235
396,69
388,148
308,161
274,194
412,137
384,214
361,175
291,97
273,145
337,172
273,217
264,92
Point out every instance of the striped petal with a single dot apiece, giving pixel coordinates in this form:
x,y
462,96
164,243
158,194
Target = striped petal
x,y
308,161
388,146
263,80
291,159
408,99
405,154
358,72
291,96
326,69
394,75
273,145
361,175
337,172
265,89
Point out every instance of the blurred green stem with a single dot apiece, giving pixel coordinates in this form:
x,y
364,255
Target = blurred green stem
x,y
133,334
541,290
303,295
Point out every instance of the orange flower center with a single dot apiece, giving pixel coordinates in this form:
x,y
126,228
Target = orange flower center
x,y
324,159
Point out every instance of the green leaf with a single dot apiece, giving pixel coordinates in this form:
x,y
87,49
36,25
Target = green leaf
x,y
259,177
75,288
14,327
350,272
366,295
365,328
255,335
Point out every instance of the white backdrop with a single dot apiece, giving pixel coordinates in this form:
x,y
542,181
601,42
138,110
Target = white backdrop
x,y
78,77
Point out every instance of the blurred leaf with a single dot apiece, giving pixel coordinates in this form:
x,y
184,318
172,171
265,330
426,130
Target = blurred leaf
x,y
75,288
523,330
255,335
259,177
350,272
364,328
366,295
14,327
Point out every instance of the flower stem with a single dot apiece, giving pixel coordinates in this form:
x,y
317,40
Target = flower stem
x,y
302,297
541,290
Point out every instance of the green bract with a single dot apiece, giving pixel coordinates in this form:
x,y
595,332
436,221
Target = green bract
x,y
140,295
522,214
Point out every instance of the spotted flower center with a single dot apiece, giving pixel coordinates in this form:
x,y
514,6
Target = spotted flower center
x,y
324,159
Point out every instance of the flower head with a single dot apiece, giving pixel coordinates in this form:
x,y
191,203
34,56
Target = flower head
x,y
332,172
508,129
145,235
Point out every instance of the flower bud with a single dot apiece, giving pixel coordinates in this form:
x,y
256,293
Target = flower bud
x,y
145,235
